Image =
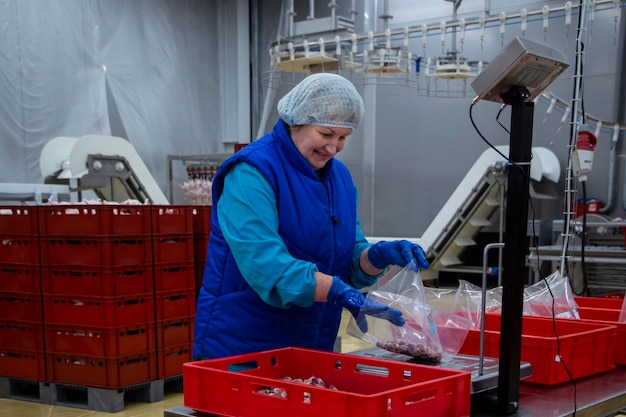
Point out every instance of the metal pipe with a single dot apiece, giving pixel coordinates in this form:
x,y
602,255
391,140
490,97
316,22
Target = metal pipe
x,y
311,9
501,230
385,16
353,11
611,187
483,306
291,14
620,98
333,20
581,39
455,7
254,63
624,189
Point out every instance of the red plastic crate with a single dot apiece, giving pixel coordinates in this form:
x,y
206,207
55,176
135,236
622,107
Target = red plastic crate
x,y
171,219
611,318
118,251
174,332
173,248
99,311
94,220
22,250
201,243
21,335
600,302
174,304
239,146
174,276
18,220
97,281
201,219
366,387
20,278
199,277
200,246
25,364
94,371
171,360
100,341
585,347
16,306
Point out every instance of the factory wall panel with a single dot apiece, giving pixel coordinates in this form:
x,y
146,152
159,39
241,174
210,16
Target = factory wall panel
x,y
144,69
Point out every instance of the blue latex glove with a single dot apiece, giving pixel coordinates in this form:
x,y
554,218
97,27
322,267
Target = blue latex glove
x,y
396,252
359,305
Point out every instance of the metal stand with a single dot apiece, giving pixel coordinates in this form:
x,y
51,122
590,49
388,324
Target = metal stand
x,y
515,250
483,306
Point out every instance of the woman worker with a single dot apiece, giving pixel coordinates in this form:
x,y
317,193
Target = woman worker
x,y
286,252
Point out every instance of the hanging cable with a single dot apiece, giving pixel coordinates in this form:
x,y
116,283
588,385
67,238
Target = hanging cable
x,y
583,243
471,116
498,119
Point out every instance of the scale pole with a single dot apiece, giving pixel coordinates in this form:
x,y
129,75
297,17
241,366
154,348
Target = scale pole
x,y
515,249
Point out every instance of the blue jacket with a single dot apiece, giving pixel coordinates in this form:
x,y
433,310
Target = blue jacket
x,y
318,225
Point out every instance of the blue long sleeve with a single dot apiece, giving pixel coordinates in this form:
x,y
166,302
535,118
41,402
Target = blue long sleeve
x,y
251,230
360,279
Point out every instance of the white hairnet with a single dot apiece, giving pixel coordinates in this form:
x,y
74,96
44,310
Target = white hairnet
x,y
324,100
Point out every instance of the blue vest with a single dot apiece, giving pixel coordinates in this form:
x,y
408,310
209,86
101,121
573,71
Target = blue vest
x,y
317,221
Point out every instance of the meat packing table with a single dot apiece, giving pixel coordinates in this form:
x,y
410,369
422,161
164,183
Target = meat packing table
x,y
597,396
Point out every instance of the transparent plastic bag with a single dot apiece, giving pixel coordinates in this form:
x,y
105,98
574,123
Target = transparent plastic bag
x,y
468,301
622,314
441,298
420,336
551,296
452,329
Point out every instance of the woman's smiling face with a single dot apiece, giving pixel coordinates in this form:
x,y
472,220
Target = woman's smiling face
x,y
319,144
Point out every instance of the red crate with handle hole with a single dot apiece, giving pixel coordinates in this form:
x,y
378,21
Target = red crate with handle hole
x,y
366,387
101,372
585,348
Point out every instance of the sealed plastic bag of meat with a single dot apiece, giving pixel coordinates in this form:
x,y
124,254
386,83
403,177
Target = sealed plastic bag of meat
x,y
552,296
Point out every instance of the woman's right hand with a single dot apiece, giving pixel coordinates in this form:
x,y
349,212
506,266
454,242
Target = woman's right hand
x,y
396,252
359,305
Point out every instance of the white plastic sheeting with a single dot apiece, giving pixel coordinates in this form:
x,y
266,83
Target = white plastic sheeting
x,y
144,70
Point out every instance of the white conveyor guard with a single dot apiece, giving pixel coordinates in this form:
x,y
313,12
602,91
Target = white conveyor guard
x,y
77,150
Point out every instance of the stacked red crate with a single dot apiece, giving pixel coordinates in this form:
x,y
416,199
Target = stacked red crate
x,y
98,294
606,310
201,231
21,326
175,292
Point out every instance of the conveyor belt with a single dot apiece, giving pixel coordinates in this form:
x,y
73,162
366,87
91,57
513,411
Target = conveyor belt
x,y
472,204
